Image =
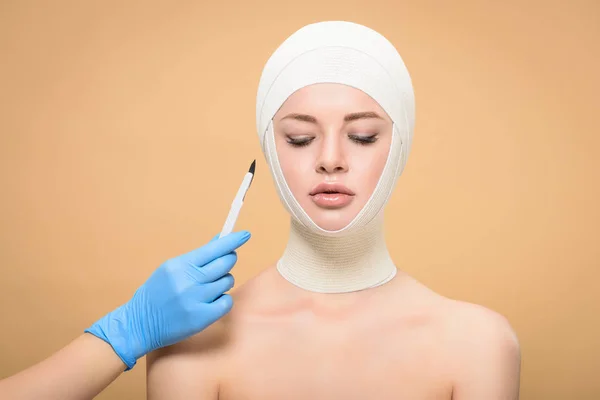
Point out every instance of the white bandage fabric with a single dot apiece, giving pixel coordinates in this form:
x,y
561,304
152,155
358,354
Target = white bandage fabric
x,y
354,257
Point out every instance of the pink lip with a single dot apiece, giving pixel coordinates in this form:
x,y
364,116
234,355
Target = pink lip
x,y
340,195
331,187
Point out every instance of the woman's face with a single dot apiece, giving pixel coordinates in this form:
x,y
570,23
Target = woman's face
x,y
332,142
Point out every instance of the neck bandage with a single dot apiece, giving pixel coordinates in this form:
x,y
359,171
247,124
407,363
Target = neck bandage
x,y
355,257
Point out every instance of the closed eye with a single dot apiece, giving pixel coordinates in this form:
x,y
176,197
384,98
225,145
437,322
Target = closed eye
x,y
299,142
363,140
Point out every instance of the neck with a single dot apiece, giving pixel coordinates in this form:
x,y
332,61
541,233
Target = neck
x,y
349,263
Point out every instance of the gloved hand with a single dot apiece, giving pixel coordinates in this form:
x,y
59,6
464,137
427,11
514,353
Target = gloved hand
x,y
181,298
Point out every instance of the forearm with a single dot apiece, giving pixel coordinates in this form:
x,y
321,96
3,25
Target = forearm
x,y
181,298
80,370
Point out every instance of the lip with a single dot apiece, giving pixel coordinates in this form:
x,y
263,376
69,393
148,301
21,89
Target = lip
x,y
339,197
336,188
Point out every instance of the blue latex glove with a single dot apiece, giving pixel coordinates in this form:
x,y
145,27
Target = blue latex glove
x,y
181,298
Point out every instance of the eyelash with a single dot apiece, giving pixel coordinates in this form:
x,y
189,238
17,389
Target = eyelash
x,y
364,140
360,140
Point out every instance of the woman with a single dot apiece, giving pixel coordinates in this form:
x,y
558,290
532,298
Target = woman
x,y
334,318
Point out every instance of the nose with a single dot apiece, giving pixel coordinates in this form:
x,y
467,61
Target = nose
x,y
331,157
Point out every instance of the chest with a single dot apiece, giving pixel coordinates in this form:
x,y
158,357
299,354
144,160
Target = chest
x,y
335,361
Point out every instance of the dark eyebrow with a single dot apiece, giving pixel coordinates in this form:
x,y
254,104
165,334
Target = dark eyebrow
x,y
347,118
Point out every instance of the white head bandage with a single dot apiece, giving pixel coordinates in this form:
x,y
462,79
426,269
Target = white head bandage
x,y
357,56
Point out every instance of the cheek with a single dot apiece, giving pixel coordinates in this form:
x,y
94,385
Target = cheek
x,y
369,166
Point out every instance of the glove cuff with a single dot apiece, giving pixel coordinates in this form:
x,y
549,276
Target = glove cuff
x,y
113,330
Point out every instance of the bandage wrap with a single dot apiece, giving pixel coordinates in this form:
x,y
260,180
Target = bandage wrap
x,y
357,56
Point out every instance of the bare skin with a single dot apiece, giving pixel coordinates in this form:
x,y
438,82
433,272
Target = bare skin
x,y
396,341
80,370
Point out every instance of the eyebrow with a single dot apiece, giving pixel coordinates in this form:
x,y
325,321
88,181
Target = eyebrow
x,y
347,118
361,115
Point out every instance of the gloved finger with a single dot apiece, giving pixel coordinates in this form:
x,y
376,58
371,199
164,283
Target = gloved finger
x,y
212,312
212,291
215,237
215,269
223,304
217,248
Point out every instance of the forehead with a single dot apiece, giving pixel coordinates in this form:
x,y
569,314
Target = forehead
x,y
331,99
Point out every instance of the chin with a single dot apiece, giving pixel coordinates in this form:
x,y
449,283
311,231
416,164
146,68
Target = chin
x,y
332,220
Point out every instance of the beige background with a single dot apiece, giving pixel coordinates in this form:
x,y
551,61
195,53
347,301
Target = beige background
x,y
125,128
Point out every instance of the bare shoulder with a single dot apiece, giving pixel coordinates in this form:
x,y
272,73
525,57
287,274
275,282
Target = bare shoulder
x,y
196,365
464,324
479,347
459,318
484,352
472,326
189,367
